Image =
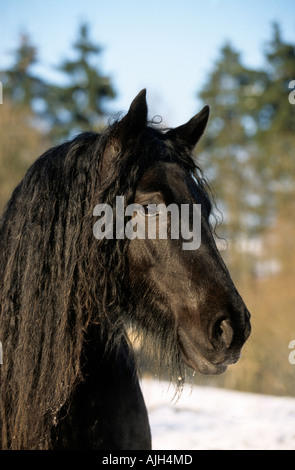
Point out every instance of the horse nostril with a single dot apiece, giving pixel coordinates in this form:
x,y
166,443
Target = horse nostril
x,y
224,332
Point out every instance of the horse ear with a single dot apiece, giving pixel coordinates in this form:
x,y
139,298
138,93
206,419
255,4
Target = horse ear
x,y
135,120
192,131
125,132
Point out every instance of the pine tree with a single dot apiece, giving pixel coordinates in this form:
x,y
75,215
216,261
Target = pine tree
x,y
251,139
277,130
233,91
20,84
80,105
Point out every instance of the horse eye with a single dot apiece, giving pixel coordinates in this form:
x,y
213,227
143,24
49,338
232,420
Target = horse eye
x,y
150,210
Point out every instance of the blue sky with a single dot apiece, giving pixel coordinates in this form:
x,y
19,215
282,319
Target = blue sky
x,y
166,46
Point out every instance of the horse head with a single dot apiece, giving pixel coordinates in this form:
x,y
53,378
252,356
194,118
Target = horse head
x,y
185,297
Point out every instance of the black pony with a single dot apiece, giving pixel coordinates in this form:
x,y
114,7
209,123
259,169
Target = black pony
x,y
67,298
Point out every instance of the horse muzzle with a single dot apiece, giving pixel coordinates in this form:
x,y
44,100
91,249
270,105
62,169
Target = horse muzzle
x,y
211,355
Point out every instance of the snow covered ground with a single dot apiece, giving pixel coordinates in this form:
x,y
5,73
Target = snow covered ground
x,y
208,418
